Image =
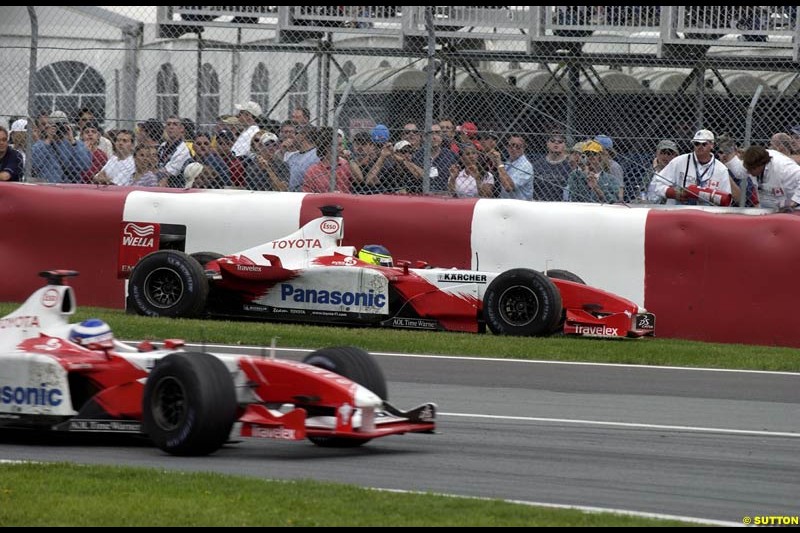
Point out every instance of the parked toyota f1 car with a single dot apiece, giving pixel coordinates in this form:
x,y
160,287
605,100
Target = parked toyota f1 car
x,y
76,377
309,276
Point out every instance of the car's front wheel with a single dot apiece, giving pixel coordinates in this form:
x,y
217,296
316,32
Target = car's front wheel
x,y
522,302
189,404
356,365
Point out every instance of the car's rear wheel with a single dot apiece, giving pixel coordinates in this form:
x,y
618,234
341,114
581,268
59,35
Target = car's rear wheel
x,y
189,404
356,365
168,283
522,302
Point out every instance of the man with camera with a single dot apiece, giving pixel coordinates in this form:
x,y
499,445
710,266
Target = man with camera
x,y
59,157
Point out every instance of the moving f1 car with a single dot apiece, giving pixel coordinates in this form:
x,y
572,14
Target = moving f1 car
x,y
309,276
75,377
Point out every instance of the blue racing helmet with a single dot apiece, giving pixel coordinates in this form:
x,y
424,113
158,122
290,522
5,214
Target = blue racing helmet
x,y
91,331
376,254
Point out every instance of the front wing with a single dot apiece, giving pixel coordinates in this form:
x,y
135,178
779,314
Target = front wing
x,y
586,324
258,421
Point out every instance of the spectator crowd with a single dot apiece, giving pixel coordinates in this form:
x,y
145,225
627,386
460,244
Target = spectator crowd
x,y
243,150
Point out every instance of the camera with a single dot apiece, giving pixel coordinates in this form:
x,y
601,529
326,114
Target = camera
x,y
62,129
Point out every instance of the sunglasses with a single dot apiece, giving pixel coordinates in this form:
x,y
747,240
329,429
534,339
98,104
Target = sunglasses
x,y
698,143
668,152
514,145
406,132
591,153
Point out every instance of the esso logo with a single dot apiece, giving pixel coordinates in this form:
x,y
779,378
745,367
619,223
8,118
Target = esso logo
x,y
350,261
329,226
50,298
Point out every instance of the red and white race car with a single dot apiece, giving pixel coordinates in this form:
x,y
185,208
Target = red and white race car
x,y
55,377
309,276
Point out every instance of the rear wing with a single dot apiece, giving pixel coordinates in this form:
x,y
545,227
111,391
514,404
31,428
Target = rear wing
x,y
46,308
321,236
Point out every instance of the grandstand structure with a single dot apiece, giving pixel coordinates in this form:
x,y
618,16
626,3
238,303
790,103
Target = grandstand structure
x,y
635,73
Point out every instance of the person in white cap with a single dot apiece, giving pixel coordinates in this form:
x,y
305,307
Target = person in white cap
x,y
248,113
19,137
394,171
696,178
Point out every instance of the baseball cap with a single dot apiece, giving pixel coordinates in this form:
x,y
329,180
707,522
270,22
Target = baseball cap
x,y
251,107
469,128
605,141
58,116
268,138
400,145
703,136
795,129
191,172
667,144
577,147
380,134
592,146
19,125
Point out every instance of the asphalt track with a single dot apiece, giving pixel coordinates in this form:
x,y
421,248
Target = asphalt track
x,y
709,444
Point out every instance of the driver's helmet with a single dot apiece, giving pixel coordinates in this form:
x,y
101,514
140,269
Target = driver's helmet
x,y
375,254
92,331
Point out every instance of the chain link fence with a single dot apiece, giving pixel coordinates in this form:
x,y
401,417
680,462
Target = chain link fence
x,y
259,94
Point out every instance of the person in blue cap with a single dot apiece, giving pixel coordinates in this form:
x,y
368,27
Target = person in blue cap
x,y
380,134
613,168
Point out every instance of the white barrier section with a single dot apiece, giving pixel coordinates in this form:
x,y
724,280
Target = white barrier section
x,y
603,244
222,221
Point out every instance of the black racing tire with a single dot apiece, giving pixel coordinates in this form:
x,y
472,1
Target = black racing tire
x,y
205,257
168,283
189,404
522,302
556,273
356,365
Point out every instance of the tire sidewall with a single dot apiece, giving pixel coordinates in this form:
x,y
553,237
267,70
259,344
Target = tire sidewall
x,y
547,295
195,285
208,404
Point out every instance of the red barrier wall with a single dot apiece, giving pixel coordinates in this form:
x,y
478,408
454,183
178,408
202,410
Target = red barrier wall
x,y
49,227
436,230
713,277
723,278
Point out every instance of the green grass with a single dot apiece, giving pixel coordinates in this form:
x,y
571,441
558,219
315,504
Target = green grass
x,y
645,351
64,494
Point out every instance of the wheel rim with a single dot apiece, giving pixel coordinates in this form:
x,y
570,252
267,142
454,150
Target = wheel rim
x,y
518,306
163,288
169,404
